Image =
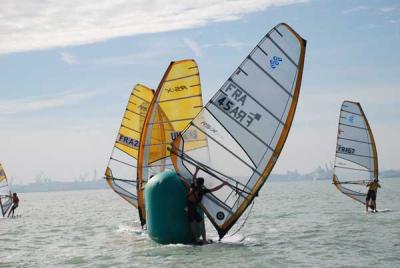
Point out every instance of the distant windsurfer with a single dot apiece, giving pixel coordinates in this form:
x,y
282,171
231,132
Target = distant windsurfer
x,y
371,195
15,204
196,192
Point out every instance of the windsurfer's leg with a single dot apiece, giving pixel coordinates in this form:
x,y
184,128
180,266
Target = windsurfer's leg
x,y
373,200
367,200
203,231
193,229
9,213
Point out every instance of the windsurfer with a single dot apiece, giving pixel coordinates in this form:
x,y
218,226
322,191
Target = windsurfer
x,y
194,197
372,190
15,200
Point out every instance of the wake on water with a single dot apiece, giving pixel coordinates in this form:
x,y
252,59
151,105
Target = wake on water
x,y
237,239
12,218
131,229
234,239
380,211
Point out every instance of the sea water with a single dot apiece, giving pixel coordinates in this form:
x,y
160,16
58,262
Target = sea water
x,y
292,224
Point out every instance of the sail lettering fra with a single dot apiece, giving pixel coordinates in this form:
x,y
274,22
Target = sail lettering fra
x,y
233,103
128,141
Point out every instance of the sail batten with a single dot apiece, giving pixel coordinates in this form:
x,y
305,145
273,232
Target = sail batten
x,y
356,160
232,153
246,123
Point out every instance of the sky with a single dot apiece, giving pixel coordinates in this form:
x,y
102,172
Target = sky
x,y
67,68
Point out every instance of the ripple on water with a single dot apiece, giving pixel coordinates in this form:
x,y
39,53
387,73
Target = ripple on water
x,y
306,224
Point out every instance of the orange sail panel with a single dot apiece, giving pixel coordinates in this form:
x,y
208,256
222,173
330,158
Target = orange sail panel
x,y
356,159
122,167
176,102
246,124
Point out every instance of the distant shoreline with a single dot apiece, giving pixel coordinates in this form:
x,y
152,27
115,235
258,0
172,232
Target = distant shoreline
x,y
97,184
57,186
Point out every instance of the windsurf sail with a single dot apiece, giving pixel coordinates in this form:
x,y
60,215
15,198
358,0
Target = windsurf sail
x,y
5,193
356,159
122,167
246,124
175,104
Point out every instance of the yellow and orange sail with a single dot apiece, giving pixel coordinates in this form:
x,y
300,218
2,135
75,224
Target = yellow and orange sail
x,y
175,104
122,166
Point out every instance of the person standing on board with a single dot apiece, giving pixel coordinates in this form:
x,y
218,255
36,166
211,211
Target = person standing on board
x,y
15,200
196,192
372,190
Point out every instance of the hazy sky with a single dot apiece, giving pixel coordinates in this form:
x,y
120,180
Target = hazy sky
x,y
67,68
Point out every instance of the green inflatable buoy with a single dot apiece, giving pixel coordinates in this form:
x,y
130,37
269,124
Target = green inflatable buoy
x,y
165,199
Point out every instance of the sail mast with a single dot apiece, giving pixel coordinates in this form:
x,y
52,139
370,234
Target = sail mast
x,y
373,144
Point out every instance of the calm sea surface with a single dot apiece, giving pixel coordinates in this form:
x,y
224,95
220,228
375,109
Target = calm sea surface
x,y
292,224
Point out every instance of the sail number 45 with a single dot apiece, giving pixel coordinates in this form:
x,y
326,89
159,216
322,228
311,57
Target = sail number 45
x,y
230,107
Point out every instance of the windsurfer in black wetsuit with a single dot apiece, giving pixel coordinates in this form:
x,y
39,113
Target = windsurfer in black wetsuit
x,y
15,204
372,191
194,197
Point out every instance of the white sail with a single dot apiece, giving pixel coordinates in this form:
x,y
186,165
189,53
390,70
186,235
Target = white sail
x,y
246,124
5,193
356,160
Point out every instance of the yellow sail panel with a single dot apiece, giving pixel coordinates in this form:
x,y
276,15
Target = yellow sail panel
x,y
176,102
246,124
182,89
5,193
122,167
133,119
191,107
356,159
158,150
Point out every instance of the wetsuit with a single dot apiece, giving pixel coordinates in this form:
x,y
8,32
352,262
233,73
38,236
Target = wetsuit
x,y
373,187
194,198
15,202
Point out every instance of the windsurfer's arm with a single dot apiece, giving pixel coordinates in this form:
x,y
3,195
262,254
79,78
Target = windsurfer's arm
x,y
184,181
187,184
195,173
218,187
